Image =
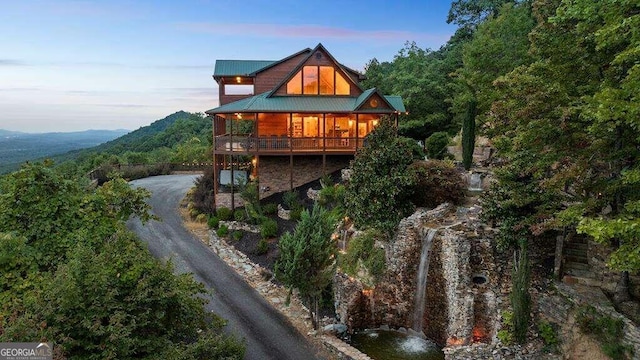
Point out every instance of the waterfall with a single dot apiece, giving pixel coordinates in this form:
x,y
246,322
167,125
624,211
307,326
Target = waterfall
x,y
421,286
475,182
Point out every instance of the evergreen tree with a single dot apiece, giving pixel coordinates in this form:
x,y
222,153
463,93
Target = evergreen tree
x,y
308,257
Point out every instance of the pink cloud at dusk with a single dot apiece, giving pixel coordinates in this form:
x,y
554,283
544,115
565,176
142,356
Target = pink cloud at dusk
x,y
308,31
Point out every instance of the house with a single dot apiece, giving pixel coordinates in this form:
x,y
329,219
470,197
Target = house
x,y
307,104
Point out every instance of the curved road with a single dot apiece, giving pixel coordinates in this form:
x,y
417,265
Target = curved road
x,y
267,333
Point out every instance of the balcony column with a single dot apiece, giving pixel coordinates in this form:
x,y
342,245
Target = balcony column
x,y
215,161
357,130
324,144
290,151
233,202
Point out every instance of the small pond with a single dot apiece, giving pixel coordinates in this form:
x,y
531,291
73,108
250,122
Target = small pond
x,y
393,345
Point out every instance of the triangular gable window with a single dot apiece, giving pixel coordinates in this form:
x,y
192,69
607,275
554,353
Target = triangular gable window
x,y
318,80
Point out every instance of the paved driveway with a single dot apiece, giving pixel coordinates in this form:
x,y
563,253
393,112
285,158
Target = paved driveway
x,y
267,333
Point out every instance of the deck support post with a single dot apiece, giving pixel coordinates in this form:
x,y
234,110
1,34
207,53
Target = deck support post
x,y
291,151
233,199
324,144
215,161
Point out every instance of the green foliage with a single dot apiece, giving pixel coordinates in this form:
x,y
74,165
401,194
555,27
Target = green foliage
x,y
520,297
469,135
262,247
421,77
268,228
549,334
436,182
291,200
222,231
270,208
213,222
436,145
506,333
224,213
417,152
88,284
362,252
307,257
607,330
295,214
471,13
332,197
237,235
239,215
379,191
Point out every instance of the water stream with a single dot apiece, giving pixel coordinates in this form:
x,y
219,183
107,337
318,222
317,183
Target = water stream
x,y
421,286
475,182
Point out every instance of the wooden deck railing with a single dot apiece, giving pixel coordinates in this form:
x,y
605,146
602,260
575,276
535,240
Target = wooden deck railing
x,y
249,144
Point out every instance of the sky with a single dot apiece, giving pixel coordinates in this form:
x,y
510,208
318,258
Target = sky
x,y
77,65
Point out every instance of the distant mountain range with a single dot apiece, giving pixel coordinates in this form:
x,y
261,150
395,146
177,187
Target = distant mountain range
x,y
18,147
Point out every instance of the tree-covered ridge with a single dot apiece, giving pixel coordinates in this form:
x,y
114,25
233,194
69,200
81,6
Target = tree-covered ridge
x,y
181,137
73,275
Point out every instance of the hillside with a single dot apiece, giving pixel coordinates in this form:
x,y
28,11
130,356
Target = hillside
x,y
17,147
164,133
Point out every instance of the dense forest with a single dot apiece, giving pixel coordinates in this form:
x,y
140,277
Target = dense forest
x,y
181,137
553,85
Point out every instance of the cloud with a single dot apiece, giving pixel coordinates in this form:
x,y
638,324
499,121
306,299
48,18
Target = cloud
x,y
12,62
125,106
192,91
307,31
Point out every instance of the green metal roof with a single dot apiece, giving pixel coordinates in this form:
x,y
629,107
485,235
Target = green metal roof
x,y
239,67
263,103
396,102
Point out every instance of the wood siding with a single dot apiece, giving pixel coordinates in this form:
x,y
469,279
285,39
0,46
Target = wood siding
x,y
270,78
272,124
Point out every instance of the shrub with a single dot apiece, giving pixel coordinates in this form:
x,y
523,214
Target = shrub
x,y
268,228
203,197
213,222
362,250
506,334
549,335
436,182
437,145
295,214
237,235
201,218
239,215
332,196
291,200
417,152
262,247
224,213
193,213
270,208
378,195
223,231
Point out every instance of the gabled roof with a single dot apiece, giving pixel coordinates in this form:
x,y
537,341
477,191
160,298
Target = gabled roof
x,y
248,67
305,104
366,95
295,70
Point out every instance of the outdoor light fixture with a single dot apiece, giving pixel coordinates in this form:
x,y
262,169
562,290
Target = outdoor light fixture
x,y
238,79
375,122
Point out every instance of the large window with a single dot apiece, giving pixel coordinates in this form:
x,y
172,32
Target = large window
x,y
318,80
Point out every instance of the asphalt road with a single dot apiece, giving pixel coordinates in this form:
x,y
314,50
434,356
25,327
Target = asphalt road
x,y
267,333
